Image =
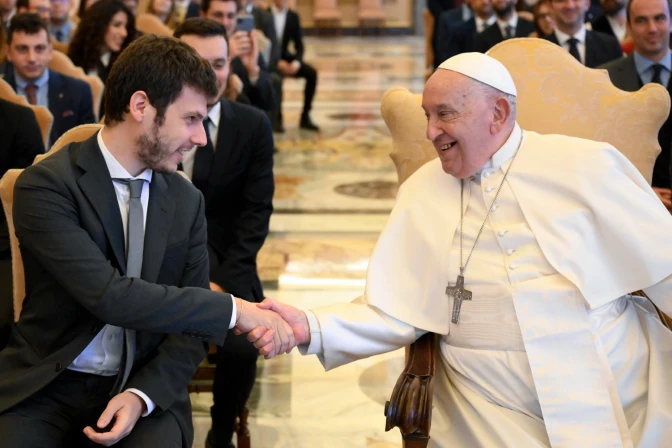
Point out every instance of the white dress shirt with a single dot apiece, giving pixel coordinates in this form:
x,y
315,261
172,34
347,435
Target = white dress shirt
x,y
563,39
481,24
103,355
189,157
513,22
618,29
280,19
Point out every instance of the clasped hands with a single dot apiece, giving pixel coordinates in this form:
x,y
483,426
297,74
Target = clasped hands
x,y
274,328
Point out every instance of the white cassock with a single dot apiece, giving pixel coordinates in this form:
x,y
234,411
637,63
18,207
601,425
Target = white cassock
x,y
552,350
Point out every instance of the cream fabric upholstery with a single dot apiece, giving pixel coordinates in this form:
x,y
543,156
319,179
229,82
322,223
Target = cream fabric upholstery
x,y
150,24
556,95
44,117
61,63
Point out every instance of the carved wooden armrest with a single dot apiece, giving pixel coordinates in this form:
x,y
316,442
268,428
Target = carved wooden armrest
x,y
410,407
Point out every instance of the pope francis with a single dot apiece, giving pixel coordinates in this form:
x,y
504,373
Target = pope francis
x,y
520,250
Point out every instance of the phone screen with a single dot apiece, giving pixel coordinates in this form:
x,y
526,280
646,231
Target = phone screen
x,y
245,23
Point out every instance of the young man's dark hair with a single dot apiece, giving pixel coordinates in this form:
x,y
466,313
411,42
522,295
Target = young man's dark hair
x,y
161,67
629,4
28,23
199,26
205,4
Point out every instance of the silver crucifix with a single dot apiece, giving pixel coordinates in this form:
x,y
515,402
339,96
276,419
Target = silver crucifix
x,y
459,294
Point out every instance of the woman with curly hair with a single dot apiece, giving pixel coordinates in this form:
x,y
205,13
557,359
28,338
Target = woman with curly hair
x,y
106,28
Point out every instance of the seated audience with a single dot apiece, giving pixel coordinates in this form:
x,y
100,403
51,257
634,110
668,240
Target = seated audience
x,y
166,11
118,306
7,10
437,8
62,27
105,30
591,48
29,51
461,40
21,141
613,22
649,23
238,210
543,19
246,63
507,26
41,7
291,63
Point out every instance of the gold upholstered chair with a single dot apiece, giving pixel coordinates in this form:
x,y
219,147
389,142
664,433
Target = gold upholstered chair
x,y
326,15
151,24
60,62
556,95
44,117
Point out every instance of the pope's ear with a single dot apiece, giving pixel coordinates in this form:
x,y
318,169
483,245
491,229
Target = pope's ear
x,y
501,113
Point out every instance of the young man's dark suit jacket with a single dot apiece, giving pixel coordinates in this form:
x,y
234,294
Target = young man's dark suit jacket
x,y
461,40
70,102
600,48
602,25
70,232
623,74
20,142
239,198
492,35
263,20
261,94
445,24
292,33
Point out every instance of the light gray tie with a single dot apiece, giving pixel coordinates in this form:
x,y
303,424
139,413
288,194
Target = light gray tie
x,y
134,249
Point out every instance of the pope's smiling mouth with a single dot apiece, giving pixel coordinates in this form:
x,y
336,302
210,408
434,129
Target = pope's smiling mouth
x,y
448,146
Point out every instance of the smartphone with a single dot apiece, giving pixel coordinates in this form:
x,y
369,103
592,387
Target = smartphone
x,y
245,23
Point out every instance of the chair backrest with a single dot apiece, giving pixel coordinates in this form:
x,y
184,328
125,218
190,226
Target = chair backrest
x,y
368,5
76,134
150,24
556,95
44,117
60,46
61,63
325,8
428,20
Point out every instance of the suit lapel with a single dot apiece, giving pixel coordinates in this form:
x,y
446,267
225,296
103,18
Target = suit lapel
x,y
55,94
96,185
628,74
227,134
160,211
591,51
496,35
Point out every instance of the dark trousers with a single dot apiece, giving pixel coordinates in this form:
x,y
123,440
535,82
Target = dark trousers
x,y
6,300
55,417
234,380
306,72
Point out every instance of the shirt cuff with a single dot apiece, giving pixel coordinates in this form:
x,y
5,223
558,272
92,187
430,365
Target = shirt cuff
x,y
150,404
296,64
234,311
315,345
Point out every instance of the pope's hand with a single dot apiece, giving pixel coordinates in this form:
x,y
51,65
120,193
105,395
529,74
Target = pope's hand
x,y
280,337
293,316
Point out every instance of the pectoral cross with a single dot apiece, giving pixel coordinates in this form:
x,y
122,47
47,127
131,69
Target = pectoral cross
x,y
459,294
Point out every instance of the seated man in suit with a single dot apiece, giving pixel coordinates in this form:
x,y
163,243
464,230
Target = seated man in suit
x,y
40,7
591,48
508,25
649,26
115,254
234,171
462,38
21,141
613,22
288,27
243,54
437,8
29,51
444,26
263,21
61,26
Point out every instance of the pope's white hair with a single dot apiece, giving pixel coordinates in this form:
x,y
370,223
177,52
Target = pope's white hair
x,y
482,89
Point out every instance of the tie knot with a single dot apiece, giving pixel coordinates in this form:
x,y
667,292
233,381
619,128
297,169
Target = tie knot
x,y
31,88
573,41
657,69
134,185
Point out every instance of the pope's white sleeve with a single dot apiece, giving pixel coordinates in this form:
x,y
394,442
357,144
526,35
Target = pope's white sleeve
x,y
346,332
661,294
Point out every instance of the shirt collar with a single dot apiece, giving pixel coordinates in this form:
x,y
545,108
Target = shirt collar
x,y
249,7
643,64
40,82
215,113
67,26
485,23
105,58
507,150
513,21
278,11
114,167
563,38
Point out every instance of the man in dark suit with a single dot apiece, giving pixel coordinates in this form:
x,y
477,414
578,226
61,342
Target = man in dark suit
x,y
507,26
263,21
461,39
288,27
234,171
29,51
21,141
613,21
649,25
245,61
591,48
116,264
447,22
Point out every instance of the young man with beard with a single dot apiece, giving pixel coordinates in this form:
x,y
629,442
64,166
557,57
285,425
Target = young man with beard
x,y
115,253
234,171
461,40
649,25
507,26
613,22
591,48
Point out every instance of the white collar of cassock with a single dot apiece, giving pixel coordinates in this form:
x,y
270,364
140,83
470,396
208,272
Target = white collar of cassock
x,y
504,153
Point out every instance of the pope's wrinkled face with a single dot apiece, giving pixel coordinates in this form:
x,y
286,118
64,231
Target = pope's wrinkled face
x,y
460,121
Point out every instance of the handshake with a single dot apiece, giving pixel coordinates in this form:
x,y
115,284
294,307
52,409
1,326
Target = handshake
x,y
274,328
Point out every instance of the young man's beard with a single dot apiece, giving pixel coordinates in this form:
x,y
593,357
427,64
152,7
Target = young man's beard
x,y
152,150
